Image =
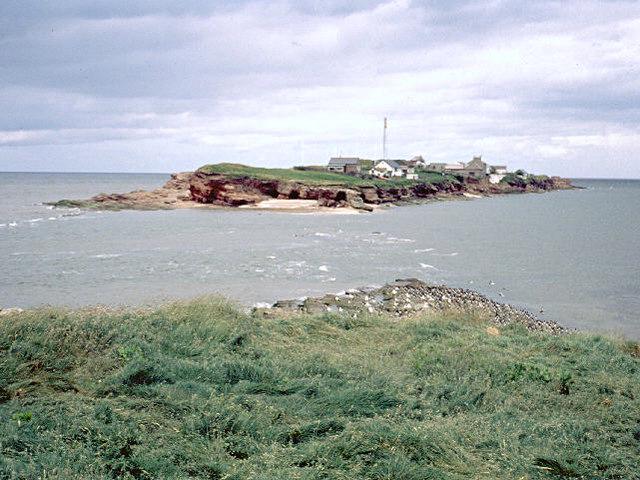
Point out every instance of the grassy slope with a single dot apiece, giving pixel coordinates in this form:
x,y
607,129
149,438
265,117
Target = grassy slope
x,y
201,390
310,177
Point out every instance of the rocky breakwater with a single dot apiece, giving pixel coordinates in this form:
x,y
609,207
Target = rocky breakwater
x,y
407,297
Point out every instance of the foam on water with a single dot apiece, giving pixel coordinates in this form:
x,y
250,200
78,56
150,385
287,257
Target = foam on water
x,y
577,253
426,265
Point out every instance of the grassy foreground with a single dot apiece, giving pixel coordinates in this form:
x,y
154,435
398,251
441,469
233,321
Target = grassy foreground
x,y
317,177
201,390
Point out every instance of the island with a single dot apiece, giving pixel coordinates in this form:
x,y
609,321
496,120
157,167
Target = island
x,y
312,188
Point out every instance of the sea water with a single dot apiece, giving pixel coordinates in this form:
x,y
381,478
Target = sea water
x,y
570,256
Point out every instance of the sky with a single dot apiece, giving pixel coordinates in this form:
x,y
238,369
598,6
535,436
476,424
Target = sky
x,y
161,86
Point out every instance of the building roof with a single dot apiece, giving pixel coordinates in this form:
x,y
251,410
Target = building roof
x,y
476,163
342,161
454,166
405,163
395,164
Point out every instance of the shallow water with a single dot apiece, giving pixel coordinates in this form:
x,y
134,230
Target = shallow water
x,y
573,254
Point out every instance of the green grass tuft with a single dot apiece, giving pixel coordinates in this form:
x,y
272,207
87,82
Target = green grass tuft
x,y
315,177
202,390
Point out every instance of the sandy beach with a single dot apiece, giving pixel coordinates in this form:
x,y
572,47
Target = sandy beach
x,y
299,206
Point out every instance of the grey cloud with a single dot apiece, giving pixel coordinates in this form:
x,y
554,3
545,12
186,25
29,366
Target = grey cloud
x,y
275,82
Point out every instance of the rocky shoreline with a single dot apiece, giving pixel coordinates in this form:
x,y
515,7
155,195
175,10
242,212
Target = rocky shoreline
x,y
400,299
206,190
407,297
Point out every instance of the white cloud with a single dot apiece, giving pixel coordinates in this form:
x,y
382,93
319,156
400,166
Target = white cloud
x,y
534,86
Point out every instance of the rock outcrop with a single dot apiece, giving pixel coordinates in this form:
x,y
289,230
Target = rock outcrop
x,y
200,189
408,297
173,194
222,190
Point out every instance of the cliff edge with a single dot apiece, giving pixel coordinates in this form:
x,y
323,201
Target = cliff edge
x,y
232,185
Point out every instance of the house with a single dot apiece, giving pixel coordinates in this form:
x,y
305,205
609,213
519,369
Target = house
x,y
387,169
445,167
476,168
497,173
394,168
351,165
417,162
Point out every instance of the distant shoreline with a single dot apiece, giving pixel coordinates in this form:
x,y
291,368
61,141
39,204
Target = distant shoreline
x,y
43,172
232,186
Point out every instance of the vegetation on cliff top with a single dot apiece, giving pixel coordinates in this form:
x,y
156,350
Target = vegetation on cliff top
x,y
202,390
315,177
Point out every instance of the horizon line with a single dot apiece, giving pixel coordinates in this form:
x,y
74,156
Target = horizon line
x,y
170,173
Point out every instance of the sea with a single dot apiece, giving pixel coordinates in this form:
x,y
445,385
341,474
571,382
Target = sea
x,y
569,256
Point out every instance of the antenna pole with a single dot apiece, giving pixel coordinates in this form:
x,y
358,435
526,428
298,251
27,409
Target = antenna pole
x,y
384,140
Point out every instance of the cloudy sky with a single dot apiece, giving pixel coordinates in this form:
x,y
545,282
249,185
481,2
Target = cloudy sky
x,y
159,86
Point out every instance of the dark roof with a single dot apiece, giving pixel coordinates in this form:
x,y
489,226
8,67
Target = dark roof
x,y
342,161
476,163
391,163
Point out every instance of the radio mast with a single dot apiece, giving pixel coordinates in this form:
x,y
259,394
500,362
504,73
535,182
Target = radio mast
x,y
384,140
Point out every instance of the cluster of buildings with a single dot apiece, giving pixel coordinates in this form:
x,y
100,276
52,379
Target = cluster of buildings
x,y
476,168
377,168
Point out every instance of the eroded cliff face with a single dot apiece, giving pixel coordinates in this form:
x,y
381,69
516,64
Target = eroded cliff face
x,y
218,189
198,189
222,190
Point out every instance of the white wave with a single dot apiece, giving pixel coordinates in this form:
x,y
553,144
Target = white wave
x,y
454,254
259,270
426,265
297,263
321,234
52,218
13,224
261,305
34,220
423,250
3,224
407,240
271,257
323,268
107,255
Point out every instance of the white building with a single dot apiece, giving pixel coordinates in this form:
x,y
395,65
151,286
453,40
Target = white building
x,y
394,168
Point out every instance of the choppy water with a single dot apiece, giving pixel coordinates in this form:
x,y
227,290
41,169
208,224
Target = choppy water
x,y
575,254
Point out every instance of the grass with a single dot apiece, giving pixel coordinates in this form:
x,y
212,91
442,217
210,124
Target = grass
x,y
203,390
435,177
311,177
523,180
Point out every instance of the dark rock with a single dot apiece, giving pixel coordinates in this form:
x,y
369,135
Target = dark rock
x,y
410,296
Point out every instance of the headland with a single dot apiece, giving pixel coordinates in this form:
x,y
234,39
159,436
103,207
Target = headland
x,y
308,189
